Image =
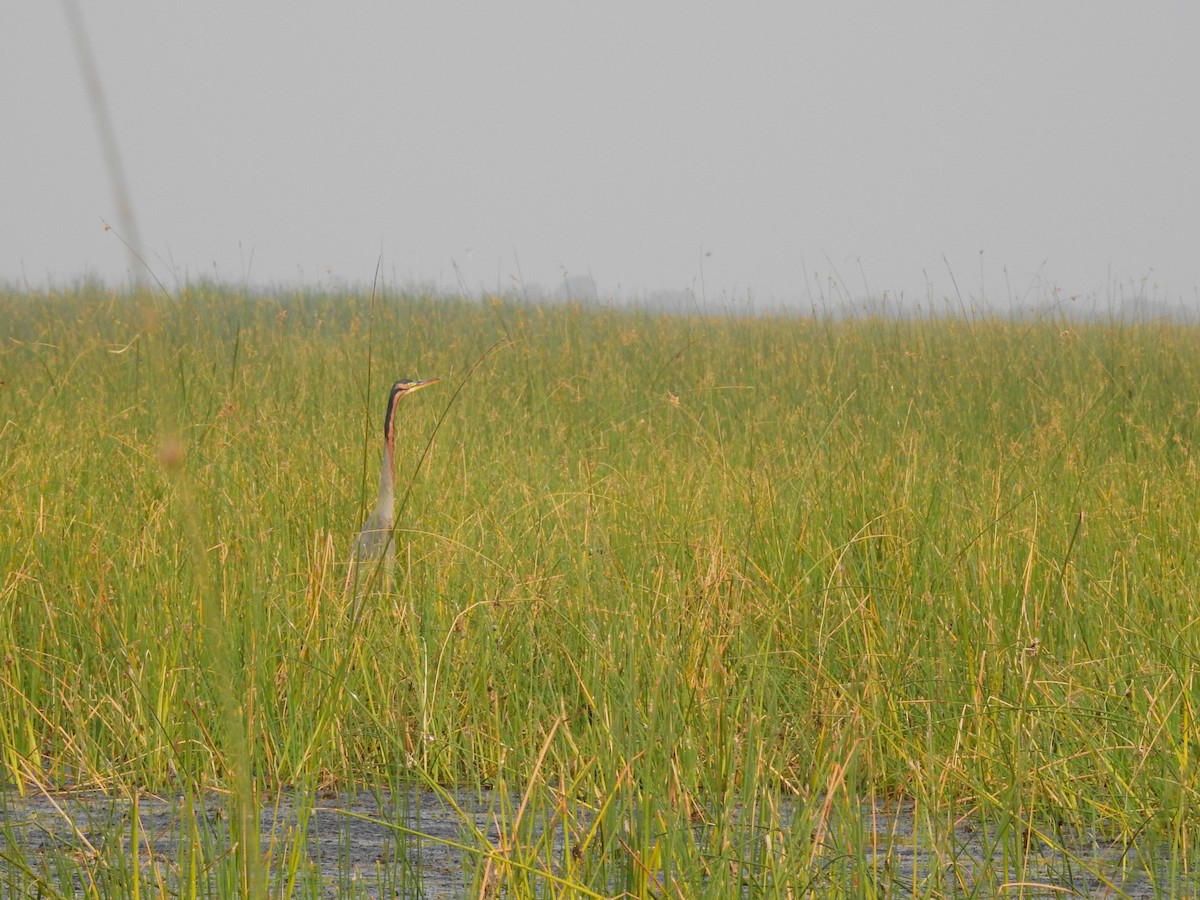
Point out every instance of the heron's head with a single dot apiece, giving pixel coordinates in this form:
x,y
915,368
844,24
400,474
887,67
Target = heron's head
x,y
400,390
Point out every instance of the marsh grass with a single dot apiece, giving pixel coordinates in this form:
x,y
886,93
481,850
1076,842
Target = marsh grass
x,y
695,601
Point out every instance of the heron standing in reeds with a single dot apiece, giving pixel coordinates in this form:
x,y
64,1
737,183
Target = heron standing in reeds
x,y
376,541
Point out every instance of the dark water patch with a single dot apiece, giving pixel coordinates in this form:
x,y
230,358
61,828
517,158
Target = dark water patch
x,y
367,845
421,844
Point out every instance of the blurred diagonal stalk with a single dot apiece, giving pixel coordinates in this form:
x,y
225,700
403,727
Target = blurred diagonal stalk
x,y
108,139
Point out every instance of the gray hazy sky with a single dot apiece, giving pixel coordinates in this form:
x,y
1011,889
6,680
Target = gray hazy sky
x,y
766,148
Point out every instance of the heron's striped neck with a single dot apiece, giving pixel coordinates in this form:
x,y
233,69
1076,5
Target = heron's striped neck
x,y
387,470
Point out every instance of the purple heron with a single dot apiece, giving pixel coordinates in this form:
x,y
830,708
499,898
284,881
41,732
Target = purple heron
x,y
376,540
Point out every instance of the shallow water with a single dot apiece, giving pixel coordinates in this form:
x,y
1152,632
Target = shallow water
x,y
346,851
353,846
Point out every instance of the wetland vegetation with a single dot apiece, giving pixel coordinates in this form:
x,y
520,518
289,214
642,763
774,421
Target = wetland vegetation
x,y
691,606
